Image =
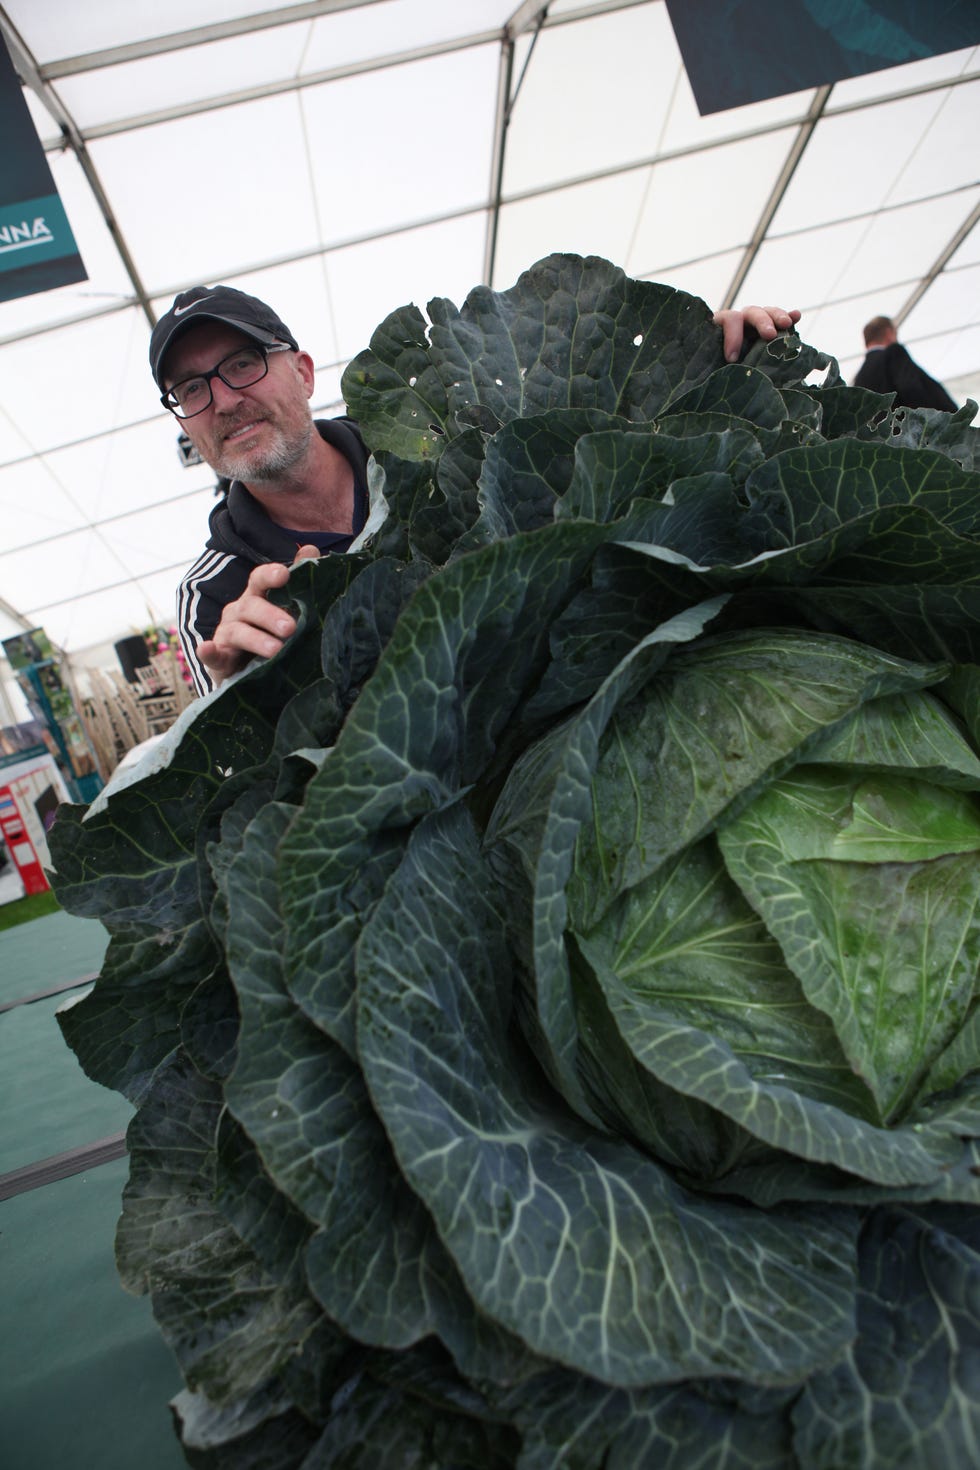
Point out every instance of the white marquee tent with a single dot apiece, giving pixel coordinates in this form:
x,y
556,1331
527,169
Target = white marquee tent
x,y
343,157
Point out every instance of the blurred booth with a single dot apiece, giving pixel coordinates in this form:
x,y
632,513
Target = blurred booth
x,y
38,671
31,789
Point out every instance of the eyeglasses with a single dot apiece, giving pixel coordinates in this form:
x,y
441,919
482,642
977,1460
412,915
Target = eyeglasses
x,y
238,370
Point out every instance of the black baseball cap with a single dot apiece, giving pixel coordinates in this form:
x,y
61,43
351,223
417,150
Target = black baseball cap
x,y
224,304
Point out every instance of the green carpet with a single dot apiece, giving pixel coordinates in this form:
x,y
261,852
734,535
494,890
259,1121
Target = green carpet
x,y
22,910
48,951
47,1103
85,1377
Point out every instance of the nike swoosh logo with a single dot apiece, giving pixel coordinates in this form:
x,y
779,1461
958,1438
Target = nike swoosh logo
x,y
179,310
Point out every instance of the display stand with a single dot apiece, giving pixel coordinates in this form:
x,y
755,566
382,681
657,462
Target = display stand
x,y
38,672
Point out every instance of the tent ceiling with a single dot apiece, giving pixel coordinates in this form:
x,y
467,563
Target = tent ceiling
x,y
343,157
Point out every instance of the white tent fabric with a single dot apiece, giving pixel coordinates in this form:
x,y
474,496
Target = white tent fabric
x,y
343,157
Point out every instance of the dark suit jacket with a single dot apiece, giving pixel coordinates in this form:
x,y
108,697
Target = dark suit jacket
x,y
891,370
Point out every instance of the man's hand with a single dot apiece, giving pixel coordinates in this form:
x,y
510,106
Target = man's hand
x,y
766,320
252,624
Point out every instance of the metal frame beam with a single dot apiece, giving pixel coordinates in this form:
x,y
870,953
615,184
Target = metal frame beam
x,y
803,135
940,263
243,25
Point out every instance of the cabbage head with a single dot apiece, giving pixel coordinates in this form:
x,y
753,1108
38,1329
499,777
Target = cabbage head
x,y
550,989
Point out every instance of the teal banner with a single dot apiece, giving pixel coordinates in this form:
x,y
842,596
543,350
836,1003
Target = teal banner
x,y
37,247
39,227
740,51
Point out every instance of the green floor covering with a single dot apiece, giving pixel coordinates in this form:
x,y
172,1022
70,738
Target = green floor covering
x,y
85,1376
48,951
46,1102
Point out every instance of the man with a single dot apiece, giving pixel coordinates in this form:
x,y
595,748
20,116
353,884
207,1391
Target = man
x,y
888,368
236,378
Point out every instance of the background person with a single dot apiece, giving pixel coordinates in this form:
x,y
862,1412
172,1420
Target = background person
x,y
888,368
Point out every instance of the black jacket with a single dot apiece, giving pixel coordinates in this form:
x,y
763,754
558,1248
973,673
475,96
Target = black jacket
x,y
891,370
242,537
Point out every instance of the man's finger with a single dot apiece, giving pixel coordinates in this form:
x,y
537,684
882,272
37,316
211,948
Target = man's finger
x,y
269,574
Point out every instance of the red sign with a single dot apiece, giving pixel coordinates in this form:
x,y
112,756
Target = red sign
x,y
19,844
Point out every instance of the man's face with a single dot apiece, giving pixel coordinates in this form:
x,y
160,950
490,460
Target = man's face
x,y
256,434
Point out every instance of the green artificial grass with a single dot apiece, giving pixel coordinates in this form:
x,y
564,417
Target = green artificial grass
x,y
22,910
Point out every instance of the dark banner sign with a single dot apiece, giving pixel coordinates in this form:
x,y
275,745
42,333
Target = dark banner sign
x,y
37,247
739,51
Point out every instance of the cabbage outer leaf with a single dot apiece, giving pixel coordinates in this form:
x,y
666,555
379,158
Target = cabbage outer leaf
x,y
573,1240
908,1391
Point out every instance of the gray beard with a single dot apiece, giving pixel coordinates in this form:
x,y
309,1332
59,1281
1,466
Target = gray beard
x,y
284,455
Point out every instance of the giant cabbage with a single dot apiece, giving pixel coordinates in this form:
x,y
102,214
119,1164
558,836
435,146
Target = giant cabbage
x,y
549,988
